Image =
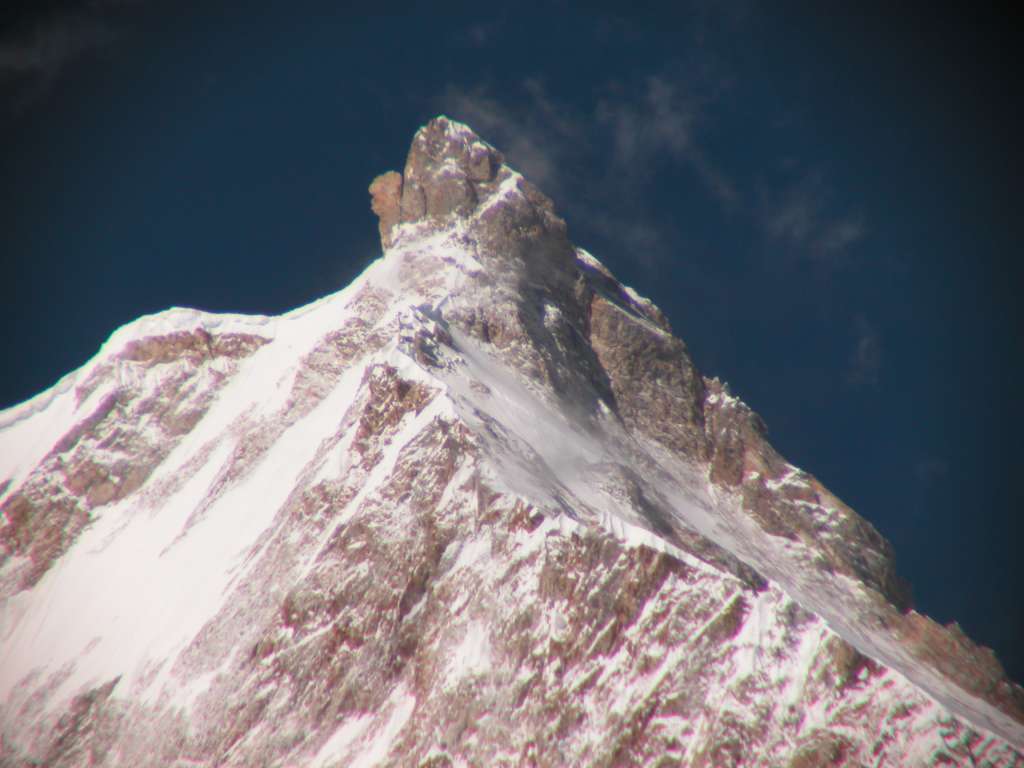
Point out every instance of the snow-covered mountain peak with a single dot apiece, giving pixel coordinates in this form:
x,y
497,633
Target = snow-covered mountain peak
x,y
477,508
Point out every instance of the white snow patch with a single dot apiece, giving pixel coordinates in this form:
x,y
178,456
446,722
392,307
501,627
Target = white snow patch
x,y
588,258
403,705
342,741
507,189
471,657
793,476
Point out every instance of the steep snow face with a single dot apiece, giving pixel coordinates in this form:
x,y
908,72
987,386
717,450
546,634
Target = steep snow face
x,y
152,568
476,509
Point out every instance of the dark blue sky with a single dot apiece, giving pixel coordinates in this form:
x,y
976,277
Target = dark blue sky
x,y
826,205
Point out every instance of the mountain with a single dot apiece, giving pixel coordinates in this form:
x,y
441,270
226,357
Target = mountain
x,y
478,508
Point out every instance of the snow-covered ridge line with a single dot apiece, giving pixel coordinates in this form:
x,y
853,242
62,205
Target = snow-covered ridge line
x,y
162,323
38,403
212,440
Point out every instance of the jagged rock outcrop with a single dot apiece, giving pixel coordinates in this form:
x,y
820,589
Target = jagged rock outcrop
x,y
657,389
791,503
479,508
386,197
444,172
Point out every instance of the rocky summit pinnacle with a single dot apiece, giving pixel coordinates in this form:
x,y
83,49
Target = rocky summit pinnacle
x,y
477,508
446,167
453,176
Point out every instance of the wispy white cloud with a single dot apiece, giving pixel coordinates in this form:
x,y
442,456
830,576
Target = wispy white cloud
x,y
658,126
479,34
716,181
865,362
526,135
601,184
37,51
929,471
802,215
642,128
601,159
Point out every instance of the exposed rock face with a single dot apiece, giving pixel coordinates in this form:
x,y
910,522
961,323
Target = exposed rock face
x,y
792,504
444,171
657,389
479,508
452,174
386,200
128,428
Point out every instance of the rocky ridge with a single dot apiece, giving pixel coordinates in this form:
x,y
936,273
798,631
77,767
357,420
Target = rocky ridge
x,y
479,508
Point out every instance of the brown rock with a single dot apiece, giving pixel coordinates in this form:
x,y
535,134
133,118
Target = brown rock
x,y
386,192
446,163
742,458
657,388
